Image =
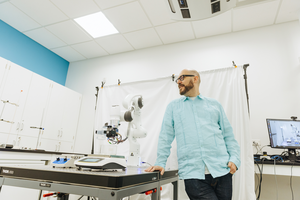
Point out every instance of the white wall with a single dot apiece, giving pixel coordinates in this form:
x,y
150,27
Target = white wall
x,y
273,75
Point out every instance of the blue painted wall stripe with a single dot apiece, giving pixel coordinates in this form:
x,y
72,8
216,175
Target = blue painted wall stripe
x,y
22,50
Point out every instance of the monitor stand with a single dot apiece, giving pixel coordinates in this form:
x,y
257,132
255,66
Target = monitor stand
x,y
292,155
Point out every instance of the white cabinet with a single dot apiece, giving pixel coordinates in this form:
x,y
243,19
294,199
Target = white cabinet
x,y
13,95
66,146
26,142
61,119
22,159
36,112
54,113
29,123
48,145
56,145
4,138
9,192
70,115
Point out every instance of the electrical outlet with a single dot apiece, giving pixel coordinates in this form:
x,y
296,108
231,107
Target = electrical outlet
x,y
256,143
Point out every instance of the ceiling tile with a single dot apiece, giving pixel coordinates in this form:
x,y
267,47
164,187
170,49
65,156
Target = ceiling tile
x,y
111,3
255,15
42,11
48,22
16,18
45,38
175,32
219,24
144,38
157,11
289,10
90,49
114,44
68,54
128,17
77,8
69,32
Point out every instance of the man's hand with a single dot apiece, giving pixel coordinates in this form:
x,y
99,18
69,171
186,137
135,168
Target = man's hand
x,y
232,167
154,168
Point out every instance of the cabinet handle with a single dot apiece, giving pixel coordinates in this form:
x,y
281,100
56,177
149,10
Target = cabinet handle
x,y
19,139
58,133
18,126
59,146
22,126
41,128
14,104
3,120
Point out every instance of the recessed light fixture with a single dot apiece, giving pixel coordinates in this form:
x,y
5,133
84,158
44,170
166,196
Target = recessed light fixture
x,y
97,25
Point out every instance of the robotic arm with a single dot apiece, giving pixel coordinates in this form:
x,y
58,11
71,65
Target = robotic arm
x,y
133,104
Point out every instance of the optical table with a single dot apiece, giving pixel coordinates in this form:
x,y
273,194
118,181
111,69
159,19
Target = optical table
x,y
106,185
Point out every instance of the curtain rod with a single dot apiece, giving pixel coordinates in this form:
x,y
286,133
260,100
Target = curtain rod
x,y
172,76
221,69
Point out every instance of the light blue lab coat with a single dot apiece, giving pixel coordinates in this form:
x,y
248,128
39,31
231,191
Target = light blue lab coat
x,y
203,134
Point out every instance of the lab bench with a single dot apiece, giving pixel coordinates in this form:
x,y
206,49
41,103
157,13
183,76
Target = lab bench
x,y
105,185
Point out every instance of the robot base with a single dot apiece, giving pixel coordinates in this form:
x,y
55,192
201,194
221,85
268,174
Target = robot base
x,y
134,161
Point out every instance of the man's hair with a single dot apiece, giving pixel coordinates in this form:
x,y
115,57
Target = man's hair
x,y
194,72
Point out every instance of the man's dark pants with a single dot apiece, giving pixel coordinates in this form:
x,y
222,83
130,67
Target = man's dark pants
x,y
219,188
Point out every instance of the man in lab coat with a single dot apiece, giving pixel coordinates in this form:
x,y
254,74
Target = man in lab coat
x,y
208,154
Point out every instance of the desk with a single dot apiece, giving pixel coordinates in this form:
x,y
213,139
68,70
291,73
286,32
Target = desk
x,y
277,181
283,169
104,185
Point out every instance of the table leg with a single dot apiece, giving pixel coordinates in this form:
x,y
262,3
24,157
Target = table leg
x,y
156,195
40,195
175,190
1,182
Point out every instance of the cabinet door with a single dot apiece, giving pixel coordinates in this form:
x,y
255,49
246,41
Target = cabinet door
x,y
30,122
24,142
13,95
10,192
3,71
65,146
12,139
48,145
4,138
54,113
70,115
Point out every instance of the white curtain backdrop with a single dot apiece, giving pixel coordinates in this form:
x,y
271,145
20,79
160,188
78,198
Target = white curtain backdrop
x,y
225,85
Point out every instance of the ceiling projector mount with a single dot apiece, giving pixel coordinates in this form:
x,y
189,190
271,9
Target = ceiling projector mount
x,y
187,10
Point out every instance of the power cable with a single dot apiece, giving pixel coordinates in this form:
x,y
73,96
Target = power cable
x,y
291,182
276,179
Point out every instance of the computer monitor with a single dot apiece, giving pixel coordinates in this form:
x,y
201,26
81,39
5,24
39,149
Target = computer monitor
x,y
284,134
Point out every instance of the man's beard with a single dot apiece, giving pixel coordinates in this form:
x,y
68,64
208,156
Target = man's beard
x,y
187,87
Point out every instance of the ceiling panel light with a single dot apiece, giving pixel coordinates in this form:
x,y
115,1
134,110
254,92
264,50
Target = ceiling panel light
x,y
97,25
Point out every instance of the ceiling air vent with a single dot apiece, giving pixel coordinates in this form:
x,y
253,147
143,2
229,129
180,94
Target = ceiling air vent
x,y
198,9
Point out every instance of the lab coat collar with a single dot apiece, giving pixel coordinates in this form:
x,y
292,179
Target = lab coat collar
x,y
200,96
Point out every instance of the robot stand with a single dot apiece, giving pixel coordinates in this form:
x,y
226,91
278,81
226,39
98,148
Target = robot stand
x,y
133,160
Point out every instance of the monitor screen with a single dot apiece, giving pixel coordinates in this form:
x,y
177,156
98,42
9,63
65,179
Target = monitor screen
x,y
284,134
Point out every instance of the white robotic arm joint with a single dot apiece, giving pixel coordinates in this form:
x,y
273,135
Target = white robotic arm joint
x,y
133,105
